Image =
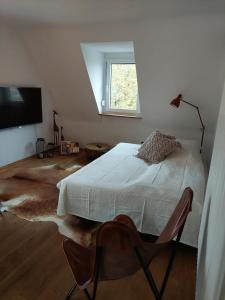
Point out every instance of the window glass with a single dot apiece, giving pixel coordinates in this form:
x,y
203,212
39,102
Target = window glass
x,y
123,86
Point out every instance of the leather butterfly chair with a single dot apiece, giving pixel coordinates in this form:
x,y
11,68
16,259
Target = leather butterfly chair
x,y
119,251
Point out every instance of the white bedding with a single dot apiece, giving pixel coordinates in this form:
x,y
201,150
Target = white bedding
x,y
119,183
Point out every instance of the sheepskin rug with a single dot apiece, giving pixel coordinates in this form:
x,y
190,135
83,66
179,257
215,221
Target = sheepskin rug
x,y
31,194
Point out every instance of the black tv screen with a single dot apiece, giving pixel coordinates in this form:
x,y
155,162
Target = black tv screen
x,y
20,106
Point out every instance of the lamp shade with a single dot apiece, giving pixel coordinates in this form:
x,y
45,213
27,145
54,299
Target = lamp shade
x,y
176,101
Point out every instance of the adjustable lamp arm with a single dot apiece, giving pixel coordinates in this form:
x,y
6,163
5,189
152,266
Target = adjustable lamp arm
x,y
176,102
200,118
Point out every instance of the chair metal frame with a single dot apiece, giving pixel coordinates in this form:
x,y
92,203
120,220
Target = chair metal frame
x,y
158,292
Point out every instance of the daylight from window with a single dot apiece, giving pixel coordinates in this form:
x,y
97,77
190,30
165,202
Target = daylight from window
x,y
112,72
123,86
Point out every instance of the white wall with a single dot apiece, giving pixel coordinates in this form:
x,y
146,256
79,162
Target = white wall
x,y
94,63
16,68
179,55
211,266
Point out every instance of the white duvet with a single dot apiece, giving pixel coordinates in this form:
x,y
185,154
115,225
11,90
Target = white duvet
x,y
120,183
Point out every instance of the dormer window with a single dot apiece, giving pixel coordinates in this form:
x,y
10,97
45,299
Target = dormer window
x,y
112,72
121,88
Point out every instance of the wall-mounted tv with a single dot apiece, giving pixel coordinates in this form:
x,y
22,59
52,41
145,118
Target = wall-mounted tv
x,y
20,106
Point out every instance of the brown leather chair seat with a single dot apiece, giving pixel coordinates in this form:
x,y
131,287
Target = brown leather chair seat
x,y
119,250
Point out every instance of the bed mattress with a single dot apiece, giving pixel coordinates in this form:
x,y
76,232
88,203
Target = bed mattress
x,y
120,183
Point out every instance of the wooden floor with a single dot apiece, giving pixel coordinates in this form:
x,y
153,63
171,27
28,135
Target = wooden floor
x,y
33,266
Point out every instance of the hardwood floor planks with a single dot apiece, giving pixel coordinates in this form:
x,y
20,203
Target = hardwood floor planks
x,y
33,266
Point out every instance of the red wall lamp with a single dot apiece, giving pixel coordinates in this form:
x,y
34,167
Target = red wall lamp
x,y
176,103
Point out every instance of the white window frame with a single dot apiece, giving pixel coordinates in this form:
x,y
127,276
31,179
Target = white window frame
x,y
117,58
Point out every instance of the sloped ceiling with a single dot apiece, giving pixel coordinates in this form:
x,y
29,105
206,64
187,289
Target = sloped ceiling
x,y
98,11
184,54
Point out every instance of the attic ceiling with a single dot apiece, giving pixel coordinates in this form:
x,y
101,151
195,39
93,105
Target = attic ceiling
x,y
100,11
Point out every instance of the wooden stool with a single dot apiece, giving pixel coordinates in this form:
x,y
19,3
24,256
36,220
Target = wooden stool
x,y
94,150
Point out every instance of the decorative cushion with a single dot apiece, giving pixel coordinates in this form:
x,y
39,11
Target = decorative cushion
x,y
157,147
149,138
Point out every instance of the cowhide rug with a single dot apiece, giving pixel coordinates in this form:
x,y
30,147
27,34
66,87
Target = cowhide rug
x,y
31,194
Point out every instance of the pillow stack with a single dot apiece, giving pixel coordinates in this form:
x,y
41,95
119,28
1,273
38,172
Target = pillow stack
x,y
157,147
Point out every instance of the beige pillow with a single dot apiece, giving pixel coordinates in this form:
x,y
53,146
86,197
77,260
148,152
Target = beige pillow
x,y
149,138
157,147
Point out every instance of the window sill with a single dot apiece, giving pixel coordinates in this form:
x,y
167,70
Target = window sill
x,y
120,115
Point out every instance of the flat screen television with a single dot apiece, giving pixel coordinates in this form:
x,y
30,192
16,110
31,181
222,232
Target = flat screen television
x,y
20,106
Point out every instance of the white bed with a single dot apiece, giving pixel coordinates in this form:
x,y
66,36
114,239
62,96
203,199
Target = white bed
x,y
120,183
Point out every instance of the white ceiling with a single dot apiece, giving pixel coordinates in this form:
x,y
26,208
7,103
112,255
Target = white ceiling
x,y
100,11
